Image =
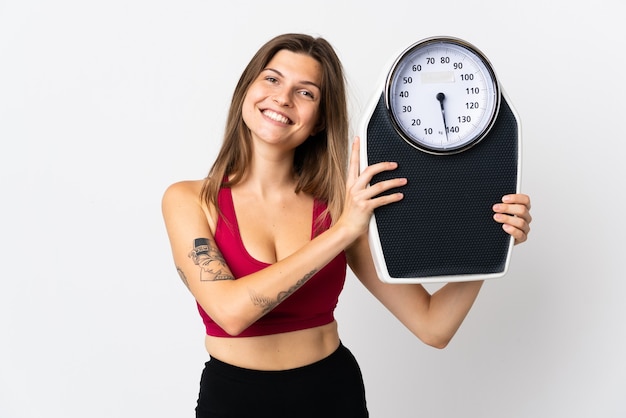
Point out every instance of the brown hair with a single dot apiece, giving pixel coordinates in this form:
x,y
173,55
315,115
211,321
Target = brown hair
x,y
321,161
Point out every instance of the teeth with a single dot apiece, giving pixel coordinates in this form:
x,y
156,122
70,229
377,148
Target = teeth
x,y
275,116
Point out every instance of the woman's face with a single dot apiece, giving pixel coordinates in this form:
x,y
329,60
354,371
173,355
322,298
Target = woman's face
x,y
281,106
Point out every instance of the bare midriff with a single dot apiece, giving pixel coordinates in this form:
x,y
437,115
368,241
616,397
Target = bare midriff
x,y
283,351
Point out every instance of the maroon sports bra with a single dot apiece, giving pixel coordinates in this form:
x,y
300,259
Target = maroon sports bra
x,y
310,306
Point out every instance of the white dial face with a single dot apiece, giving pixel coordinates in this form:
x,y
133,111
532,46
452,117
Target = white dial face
x,y
443,95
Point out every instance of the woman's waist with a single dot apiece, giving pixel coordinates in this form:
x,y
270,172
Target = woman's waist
x,y
276,351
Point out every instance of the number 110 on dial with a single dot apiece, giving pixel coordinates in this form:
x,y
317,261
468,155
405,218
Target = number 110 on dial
x,y
443,95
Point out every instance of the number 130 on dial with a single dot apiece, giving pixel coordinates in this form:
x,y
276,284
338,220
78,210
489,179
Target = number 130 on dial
x,y
443,95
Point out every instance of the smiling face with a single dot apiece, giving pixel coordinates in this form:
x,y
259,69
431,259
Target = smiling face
x,y
281,106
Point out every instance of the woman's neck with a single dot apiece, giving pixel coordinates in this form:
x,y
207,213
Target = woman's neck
x,y
267,176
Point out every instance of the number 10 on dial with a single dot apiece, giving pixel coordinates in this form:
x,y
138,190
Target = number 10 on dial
x,y
443,95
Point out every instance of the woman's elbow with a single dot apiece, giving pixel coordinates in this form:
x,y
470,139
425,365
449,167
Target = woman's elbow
x,y
438,341
231,321
232,325
231,317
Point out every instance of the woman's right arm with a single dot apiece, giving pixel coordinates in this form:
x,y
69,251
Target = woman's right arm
x,y
235,304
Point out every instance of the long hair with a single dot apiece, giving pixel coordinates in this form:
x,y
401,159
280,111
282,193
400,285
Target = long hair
x,y
321,161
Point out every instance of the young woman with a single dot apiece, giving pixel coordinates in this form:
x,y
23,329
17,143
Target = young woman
x,y
263,243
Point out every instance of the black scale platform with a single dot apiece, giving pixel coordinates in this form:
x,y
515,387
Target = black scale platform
x,y
444,225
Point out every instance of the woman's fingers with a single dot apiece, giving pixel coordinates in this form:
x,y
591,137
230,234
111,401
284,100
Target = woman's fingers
x,y
361,197
514,215
362,179
381,187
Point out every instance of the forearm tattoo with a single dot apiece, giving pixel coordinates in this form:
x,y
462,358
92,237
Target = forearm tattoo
x,y
207,256
267,303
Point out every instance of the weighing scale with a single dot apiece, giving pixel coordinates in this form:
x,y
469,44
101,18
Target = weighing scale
x,y
444,118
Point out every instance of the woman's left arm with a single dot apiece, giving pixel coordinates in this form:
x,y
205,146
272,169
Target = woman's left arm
x,y
435,318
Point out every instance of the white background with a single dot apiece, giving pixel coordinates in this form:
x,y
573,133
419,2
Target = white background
x,y
105,103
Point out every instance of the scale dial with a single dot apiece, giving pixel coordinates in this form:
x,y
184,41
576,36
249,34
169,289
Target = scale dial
x,y
443,95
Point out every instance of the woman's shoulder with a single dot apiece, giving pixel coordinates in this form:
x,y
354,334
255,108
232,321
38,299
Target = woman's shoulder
x,y
184,194
184,198
185,189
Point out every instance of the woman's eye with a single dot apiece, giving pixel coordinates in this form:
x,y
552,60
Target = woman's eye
x,y
307,93
271,79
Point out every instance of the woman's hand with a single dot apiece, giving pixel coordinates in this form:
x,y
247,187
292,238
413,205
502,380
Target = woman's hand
x,y
514,215
362,199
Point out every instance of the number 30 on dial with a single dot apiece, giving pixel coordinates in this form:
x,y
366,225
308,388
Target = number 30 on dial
x,y
443,95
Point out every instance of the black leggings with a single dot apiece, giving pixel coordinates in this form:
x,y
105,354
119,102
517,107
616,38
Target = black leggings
x,y
331,387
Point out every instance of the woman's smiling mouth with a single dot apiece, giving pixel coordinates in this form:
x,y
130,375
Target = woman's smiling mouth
x,y
277,117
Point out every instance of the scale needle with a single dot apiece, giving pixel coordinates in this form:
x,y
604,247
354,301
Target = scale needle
x,y
441,97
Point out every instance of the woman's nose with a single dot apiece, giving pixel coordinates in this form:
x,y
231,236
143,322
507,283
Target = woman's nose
x,y
282,99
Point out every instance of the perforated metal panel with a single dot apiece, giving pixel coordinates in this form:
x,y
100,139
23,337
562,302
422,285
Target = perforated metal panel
x,y
443,229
